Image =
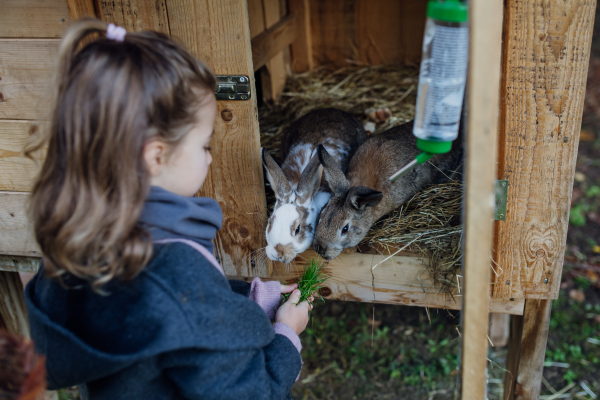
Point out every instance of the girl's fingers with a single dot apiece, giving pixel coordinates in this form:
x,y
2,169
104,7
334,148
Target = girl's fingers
x,y
288,288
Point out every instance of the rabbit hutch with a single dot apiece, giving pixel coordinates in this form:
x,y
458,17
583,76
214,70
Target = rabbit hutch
x,y
526,83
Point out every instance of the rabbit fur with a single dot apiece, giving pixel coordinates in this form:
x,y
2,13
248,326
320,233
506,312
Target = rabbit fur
x,y
299,188
365,194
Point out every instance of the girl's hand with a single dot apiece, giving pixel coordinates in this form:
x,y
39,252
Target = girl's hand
x,y
292,314
288,288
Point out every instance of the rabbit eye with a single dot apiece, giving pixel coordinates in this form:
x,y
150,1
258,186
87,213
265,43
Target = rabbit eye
x,y
345,229
297,231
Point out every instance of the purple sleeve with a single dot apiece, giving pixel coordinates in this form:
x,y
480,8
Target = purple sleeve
x,y
283,329
267,295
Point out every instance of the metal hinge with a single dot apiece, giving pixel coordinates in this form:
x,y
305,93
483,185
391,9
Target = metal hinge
x,y
232,87
501,194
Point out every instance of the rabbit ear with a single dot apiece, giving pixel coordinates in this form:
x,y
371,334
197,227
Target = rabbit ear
x,y
276,178
361,197
310,180
333,173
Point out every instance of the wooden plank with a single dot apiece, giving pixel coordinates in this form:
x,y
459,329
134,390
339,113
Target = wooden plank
x,y
256,17
499,329
33,18
218,32
81,8
402,280
26,69
483,90
527,351
13,314
271,42
16,233
275,74
19,264
17,173
547,48
135,15
302,47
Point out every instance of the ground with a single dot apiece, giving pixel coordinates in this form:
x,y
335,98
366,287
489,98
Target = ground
x,y
361,351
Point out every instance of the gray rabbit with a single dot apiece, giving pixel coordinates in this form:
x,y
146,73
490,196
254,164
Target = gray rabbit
x,y
365,194
299,188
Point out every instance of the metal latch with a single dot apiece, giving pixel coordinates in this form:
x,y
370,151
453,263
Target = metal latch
x,y
501,194
232,87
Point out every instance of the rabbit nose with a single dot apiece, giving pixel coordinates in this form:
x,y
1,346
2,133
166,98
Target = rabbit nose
x,y
320,249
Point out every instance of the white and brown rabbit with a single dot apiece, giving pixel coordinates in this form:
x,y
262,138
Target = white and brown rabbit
x,y
365,194
297,184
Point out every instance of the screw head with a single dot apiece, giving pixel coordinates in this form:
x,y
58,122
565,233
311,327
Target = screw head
x,y
546,280
501,215
503,184
253,263
242,79
232,96
243,97
508,282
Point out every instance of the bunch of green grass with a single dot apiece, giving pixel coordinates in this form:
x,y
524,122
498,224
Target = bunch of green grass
x,y
311,281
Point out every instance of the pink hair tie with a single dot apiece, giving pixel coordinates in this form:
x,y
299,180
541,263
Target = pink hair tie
x,y
114,32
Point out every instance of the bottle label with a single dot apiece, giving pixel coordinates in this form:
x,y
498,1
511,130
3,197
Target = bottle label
x,y
442,84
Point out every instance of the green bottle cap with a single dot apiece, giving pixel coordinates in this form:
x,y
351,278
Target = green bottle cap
x,y
434,147
449,10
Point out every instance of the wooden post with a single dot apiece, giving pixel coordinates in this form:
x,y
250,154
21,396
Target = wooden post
x,y
526,351
302,51
546,56
136,15
13,315
483,92
275,75
217,32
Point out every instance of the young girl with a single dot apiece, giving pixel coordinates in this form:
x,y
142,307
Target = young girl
x,y
129,302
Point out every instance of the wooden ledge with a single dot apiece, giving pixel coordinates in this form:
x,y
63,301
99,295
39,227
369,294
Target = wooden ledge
x,y
272,41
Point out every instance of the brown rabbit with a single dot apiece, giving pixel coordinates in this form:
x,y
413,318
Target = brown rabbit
x,y
365,193
297,184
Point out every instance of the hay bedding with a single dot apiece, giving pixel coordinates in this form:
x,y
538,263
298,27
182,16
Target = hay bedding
x,y
430,221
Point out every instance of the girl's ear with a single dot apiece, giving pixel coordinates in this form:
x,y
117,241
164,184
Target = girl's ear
x,y
155,156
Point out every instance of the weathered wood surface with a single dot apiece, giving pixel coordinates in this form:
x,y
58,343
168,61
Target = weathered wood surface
x,y
275,75
81,8
135,15
483,90
302,47
256,17
499,329
367,31
13,314
26,69
271,42
546,54
402,280
16,233
33,18
19,264
217,32
17,173
527,350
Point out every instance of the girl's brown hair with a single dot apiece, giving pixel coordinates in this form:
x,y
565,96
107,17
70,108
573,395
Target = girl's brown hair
x,y
110,98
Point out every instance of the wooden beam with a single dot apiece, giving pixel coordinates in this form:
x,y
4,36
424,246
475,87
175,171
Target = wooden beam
x,y
256,17
135,15
217,32
483,91
546,55
402,280
527,350
302,48
499,329
26,69
13,314
81,8
17,173
16,234
274,76
272,41
33,18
